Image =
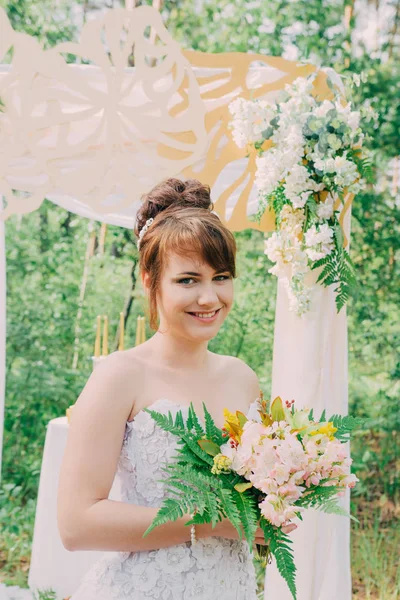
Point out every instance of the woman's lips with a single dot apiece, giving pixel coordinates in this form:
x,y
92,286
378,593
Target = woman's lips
x,y
205,320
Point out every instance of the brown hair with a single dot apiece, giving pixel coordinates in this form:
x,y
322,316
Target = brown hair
x,y
183,224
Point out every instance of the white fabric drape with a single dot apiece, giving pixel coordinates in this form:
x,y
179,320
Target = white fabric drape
x,y
52,566
310,366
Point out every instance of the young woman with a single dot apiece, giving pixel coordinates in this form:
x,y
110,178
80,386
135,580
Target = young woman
x,y
187,266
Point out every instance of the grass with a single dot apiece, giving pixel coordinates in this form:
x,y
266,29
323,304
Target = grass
x,y
375,555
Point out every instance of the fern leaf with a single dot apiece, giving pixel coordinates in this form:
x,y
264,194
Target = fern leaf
x,y
170,511
213,508
230,509
193,422
321,262
191,442
247,507
185,457
316,496
198,478
280,546
212,431
332,507
345,424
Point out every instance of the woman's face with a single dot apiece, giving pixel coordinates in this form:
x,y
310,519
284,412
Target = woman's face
x,y
190,293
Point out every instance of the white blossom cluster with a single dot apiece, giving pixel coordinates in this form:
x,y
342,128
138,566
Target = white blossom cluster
x,y
250,119
311,140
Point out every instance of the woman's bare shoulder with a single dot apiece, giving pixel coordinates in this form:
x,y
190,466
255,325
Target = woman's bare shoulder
x,y
121,364
233,363
117,375
242,373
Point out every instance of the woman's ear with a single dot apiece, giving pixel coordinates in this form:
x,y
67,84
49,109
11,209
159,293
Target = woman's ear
x,y
145,281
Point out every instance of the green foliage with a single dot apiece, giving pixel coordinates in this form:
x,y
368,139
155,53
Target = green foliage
x,y
45,594
212,431
178,428
247,507
213,497
346,424
230,508
48,22
324,499
315,497
364,165
279,544
338,268
171,510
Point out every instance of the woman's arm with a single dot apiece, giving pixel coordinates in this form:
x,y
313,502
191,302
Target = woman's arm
x,y
117,526
87,519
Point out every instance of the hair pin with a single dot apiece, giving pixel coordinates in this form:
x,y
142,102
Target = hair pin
x,y
143,231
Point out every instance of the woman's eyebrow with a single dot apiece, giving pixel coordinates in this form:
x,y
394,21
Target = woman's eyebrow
x,y
196,274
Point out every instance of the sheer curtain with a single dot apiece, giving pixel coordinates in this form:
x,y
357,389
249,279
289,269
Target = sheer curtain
x,y
310,366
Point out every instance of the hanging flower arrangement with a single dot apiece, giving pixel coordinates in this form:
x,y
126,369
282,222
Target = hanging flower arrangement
x,y
308,155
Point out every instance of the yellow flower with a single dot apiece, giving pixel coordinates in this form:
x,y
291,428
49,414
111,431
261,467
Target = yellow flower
x,y
221,464
234,423
326,429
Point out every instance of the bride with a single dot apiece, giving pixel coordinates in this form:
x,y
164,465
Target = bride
x,y
187,266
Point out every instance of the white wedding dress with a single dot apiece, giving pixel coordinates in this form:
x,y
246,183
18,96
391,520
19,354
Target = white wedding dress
x,y
213,567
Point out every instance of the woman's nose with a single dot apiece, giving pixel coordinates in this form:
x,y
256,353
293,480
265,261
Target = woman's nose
x,y
208,295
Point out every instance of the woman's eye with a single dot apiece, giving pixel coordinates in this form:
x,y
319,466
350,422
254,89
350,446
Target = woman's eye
x,y
191,278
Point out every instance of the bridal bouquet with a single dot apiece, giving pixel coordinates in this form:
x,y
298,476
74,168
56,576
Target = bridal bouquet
x,y
257,473
308,155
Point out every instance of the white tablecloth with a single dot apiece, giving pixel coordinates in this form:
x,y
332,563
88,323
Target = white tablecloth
x,y
52,566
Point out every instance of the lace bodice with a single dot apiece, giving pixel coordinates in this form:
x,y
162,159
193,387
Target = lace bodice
x,y
212,566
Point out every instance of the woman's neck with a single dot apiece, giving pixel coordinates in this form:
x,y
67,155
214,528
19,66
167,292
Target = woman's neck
x,y
173,352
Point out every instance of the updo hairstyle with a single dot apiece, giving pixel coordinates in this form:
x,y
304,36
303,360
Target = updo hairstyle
x,y
183,224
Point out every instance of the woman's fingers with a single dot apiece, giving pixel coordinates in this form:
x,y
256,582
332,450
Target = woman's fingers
x,y
289,528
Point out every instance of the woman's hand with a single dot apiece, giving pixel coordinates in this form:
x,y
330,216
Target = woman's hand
x,y
289,528
225,529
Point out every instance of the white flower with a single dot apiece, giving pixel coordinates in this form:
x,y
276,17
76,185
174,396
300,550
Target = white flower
x,y
325,209
291,219
228,11
319,242
250,119
352,118
269,172
299,295
297,183
267,26
282,247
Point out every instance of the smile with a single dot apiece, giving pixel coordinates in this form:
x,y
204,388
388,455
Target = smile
x,y
205,317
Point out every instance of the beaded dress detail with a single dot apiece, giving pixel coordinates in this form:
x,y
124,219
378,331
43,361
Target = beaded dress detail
x,y
213,567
